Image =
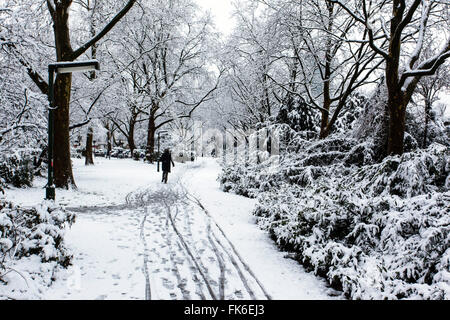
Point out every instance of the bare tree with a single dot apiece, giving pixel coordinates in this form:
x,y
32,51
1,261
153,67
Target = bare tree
x,y
397,31
343,66
166,61
60,11
252,55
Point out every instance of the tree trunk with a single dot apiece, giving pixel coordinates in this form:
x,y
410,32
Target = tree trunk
x,y
130,139
325,114
397,115
151,138
89,158
108,140
59,11
130,136
396,98
327,75
62,163
324,122
61,154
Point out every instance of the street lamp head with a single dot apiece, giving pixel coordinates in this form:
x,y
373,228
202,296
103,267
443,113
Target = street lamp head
x,y
71,66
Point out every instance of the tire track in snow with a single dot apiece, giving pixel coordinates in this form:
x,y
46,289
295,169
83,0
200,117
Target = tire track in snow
x,y
172,256
189,252
129,203
196,201
148,294
217,242
187,225
221,263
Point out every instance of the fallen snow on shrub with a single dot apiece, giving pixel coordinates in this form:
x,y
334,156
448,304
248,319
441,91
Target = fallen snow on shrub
x,y
16,167
31,247
374,230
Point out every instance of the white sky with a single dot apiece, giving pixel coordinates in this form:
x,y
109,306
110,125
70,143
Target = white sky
x,y
221,11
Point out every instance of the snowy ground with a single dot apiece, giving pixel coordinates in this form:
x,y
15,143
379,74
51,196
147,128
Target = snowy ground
x,y
136,238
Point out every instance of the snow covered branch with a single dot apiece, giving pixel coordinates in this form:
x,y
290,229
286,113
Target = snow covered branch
x,y
426,68
104,31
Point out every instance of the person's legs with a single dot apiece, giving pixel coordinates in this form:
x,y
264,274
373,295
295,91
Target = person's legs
x,y
165,174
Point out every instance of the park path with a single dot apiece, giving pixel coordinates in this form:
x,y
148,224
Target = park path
x,y
183,240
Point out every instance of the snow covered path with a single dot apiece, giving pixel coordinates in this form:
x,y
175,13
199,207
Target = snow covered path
x,y
136,238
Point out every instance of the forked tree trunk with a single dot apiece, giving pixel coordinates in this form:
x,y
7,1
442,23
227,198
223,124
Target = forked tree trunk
x,y
401,86
396,97
59,11
62,163
324,131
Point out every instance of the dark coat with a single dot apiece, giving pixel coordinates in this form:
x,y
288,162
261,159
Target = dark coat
x,y
166,159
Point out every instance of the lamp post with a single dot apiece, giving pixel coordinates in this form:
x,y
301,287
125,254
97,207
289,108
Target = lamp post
x,y
59,67
159,138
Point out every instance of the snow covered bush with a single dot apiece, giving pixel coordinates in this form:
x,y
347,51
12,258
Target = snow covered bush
x,y
371,248
35,231
375,230
17,168
299,116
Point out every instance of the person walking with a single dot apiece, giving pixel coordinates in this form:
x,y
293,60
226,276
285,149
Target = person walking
x,y
166,160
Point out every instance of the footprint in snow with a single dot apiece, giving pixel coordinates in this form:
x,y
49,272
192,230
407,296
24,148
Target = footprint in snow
x,y
173,296
238,294
179,260
168,284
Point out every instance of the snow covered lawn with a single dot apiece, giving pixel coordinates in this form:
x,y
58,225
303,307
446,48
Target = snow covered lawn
x,y
105,183
136,238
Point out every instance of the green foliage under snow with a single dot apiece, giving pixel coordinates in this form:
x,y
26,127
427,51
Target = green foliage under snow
x,y
374,230
36,231
16,168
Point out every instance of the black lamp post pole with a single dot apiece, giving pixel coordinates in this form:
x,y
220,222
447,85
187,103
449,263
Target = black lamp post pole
x,y
50,189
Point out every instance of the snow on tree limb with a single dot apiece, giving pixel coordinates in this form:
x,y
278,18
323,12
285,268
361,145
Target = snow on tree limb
x,y
105,30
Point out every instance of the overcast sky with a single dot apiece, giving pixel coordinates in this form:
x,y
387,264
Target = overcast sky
x,y
221,11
